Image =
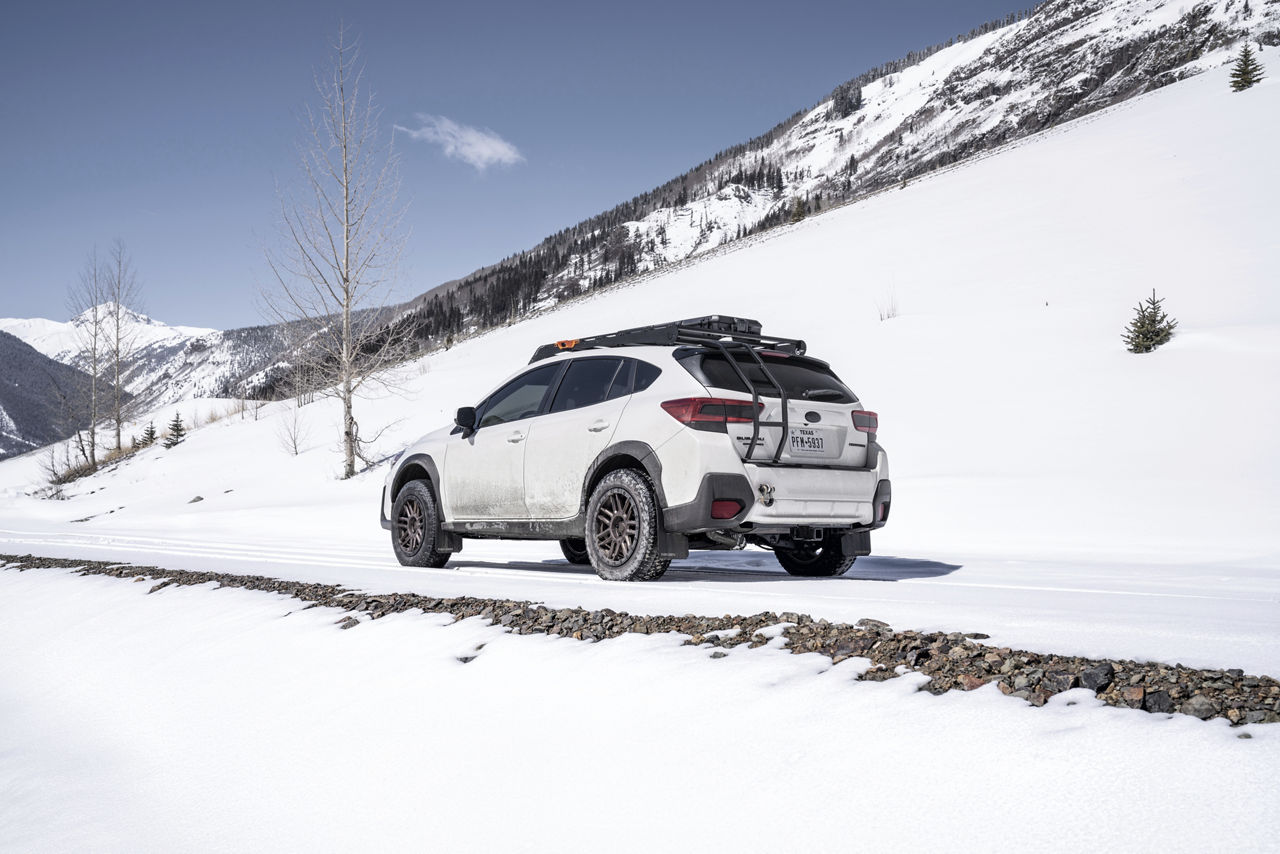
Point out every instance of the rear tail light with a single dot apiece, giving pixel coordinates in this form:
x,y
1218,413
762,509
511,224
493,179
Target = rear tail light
x,y
865,421
725,509
711,413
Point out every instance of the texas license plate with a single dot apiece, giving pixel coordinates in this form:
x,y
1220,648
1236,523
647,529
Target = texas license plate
x,y
806,440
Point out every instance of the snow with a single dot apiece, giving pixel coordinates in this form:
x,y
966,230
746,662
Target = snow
x,y
201,719
1051,490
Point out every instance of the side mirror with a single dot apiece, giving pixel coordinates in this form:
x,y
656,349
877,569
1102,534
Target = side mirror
x,y
466,419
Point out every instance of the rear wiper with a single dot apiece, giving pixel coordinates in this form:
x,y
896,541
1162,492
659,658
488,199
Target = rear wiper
x,y
822,394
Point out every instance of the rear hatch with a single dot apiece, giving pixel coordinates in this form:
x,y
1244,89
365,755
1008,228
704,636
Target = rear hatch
x,y
826,425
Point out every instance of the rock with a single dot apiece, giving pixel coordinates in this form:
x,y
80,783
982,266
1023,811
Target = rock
x,y
968,682
1057,681
1098,677
1132,696
348,623
1158,702
197,498
1200,706
719,654
867,623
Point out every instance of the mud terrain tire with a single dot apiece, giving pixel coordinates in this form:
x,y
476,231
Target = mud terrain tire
x,y
575,551
622,528
818,561
415,526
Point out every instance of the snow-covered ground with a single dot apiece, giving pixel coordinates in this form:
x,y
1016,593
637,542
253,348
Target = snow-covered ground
x,y
1050,489
208,720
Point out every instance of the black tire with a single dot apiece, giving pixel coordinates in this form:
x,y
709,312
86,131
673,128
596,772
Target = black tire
x,y
575,551
622,529
817,561
415,526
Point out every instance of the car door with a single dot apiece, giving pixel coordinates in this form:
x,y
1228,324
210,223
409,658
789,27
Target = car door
x,y
484,472
578,425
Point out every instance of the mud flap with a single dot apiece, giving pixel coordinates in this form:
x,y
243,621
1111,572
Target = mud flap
x,y
856,543
674,546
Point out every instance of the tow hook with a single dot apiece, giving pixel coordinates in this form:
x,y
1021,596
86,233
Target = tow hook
x,y
766,495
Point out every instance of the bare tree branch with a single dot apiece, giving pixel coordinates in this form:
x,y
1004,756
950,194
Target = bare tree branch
x,y
339,248
122,332
85,300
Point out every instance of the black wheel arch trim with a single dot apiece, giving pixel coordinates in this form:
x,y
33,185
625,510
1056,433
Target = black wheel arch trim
x,y
638,451
447,541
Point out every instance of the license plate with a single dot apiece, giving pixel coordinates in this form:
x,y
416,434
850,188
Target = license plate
x,y
806,440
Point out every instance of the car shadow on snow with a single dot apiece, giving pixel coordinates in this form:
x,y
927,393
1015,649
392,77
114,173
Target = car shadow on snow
x,y
747,566
761,566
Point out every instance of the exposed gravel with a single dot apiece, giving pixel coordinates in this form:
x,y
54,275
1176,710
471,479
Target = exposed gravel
x,y
953,660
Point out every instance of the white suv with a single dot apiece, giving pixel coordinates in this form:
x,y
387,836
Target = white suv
x,y
633,448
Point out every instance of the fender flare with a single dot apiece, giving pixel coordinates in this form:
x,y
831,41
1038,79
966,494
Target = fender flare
x,y
639,451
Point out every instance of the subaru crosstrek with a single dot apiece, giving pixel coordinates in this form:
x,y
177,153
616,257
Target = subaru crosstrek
x,y
634,447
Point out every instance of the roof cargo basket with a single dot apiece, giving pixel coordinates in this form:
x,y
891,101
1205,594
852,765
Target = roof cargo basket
x,y
719,332
709,331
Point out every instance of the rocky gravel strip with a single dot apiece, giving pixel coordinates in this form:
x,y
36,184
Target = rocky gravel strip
x,y
953,660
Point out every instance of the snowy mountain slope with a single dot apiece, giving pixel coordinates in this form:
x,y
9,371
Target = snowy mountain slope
x,y
1066,59
38,397
61,340
1051,489
168,364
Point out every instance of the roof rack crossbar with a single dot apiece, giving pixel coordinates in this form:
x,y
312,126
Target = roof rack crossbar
x,y
698,330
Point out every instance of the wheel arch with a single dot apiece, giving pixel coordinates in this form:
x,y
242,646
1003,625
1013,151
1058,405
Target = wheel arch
x,y
624,455
419,467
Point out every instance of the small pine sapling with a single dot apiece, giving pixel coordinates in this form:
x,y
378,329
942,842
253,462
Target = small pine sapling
x,y
176,431
1247,71
1150,326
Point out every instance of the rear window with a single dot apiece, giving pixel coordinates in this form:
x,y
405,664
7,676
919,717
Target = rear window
x,y
802,379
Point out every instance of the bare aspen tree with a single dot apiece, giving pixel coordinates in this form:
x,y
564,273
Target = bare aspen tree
x,y
86,301
121,329
340,243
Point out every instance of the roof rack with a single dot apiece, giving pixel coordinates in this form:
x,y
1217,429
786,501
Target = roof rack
x,y
716,331
709,330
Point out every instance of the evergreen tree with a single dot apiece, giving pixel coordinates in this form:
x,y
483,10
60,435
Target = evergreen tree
x,y
1150,326
176,431
149,435
798,209
1247,70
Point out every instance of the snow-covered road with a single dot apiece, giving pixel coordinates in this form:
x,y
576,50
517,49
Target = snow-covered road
x,y
1200,615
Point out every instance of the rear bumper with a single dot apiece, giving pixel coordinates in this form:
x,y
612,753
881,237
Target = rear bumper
x,y
772,499
696,516
809,496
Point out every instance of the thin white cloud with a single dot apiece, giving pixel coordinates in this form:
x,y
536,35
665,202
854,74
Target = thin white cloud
x,y
480,147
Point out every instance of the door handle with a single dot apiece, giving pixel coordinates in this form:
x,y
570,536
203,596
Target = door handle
x,y
598,425
515,438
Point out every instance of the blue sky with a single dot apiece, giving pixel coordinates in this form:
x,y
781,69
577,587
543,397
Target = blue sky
x,y
168,125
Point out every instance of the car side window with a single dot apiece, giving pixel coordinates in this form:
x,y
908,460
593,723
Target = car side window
x,y
645,375
520,398
587,382
621,386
